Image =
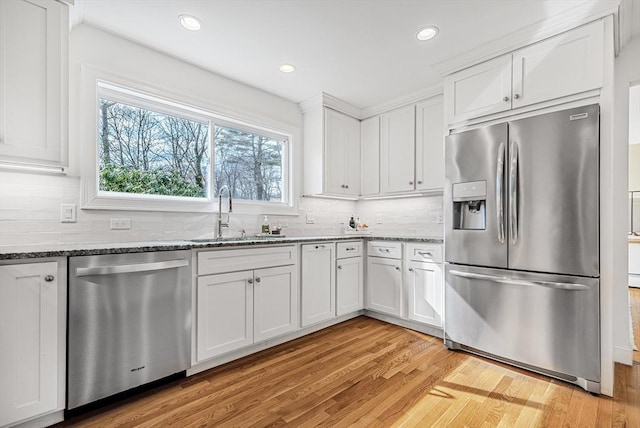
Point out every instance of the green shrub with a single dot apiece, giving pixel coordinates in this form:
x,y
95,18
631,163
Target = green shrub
x,y
114,178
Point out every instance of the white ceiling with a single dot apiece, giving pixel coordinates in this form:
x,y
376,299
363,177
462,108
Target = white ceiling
x,y
361,51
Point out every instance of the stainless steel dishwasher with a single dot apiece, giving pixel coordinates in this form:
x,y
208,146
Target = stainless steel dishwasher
x,y
129,322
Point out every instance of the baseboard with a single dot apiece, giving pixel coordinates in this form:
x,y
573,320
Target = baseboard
x,y
413,325
634,281
42,421
623,355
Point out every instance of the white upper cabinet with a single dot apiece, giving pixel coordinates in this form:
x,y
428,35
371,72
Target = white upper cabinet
x,y
479,90
564,65
430,145
342,153
397,150
370,155
34,40
331,153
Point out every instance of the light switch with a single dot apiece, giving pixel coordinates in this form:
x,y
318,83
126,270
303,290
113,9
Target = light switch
x,y
67,213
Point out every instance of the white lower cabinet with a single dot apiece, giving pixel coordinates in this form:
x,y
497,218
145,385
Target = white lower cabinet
x,y
349,278
32,316
425,301
317,283
238,309
384,285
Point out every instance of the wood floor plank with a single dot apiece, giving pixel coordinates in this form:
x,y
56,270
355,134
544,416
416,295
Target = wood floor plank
x,y
366,373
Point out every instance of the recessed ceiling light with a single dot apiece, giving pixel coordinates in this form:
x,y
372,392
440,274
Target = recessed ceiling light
x,y
190,22
287,68
427,33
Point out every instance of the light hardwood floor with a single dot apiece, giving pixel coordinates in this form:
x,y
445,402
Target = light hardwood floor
x,y
367,373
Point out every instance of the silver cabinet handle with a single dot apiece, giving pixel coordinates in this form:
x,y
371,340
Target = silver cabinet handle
x,y
499,190
425,253
250,280
49,278
397,267
411,183
410,269
516,96
384,250
258,279
346,186
319,246
339,267
505,99
507,280
420,182
513,193
138,267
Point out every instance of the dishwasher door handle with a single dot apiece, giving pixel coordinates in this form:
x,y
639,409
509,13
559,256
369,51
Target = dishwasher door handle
x,y
131,268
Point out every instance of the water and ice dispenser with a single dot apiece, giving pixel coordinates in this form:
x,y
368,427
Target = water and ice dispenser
x,y
469,205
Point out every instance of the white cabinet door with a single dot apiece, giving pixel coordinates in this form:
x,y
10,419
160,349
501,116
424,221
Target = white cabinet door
x,y
275,302
425,290
370,149
563,65
224,313
384,285
33,87
342,153
349,285
430,144
397,150
28,340
317,283
479,90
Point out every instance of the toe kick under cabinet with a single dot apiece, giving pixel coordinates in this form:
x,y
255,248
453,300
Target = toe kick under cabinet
x,y
244,296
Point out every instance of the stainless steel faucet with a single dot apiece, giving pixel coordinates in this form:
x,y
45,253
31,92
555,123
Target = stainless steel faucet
x,y
222,223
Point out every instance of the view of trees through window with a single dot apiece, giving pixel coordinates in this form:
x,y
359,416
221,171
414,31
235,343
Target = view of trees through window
x,y
147,152
250,164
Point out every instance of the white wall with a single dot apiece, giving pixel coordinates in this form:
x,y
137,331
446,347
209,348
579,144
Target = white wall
x,y
627,70
30,203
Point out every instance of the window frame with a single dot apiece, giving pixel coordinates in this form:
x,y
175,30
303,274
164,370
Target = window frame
x,y
95,83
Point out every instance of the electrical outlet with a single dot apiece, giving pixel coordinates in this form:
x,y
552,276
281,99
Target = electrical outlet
x,y
120,224
440,219
378,218
310,219
68,213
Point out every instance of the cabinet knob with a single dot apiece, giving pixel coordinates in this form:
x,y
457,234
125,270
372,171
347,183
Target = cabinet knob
x,y
397,267
505,99
339,267
419,182
258,279
49,278
410,269
346,186
250,280
342,185
411,183
516,96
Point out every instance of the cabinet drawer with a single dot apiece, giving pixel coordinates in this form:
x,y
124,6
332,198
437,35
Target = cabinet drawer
x,y
219,261
424,253
349,249
392,250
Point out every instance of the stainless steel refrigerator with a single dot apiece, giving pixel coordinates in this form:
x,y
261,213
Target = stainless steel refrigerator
x,y
522,244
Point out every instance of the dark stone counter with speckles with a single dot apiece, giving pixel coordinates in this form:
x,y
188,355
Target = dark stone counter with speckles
x,y
80,249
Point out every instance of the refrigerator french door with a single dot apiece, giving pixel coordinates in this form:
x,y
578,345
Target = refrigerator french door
x,y
522,243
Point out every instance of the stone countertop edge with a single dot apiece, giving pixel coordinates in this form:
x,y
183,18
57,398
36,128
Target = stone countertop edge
x,y
85,249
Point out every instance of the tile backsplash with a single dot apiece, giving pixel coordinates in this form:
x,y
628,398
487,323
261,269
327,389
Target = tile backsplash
x,y
30,214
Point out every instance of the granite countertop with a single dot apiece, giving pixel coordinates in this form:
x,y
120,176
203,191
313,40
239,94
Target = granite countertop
x,y
87,249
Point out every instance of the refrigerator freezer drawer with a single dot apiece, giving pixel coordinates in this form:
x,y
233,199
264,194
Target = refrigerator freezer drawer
x,y
550,322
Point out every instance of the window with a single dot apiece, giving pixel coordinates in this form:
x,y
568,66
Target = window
x,y
157,154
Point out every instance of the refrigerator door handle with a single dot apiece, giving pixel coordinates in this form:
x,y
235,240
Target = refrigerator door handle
x,y
506,280
513,192
499,190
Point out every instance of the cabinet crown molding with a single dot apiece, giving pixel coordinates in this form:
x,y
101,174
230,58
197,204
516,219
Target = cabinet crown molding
x,y
570,19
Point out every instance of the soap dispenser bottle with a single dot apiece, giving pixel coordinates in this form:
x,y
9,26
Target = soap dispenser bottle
x,y
352,222
265,225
